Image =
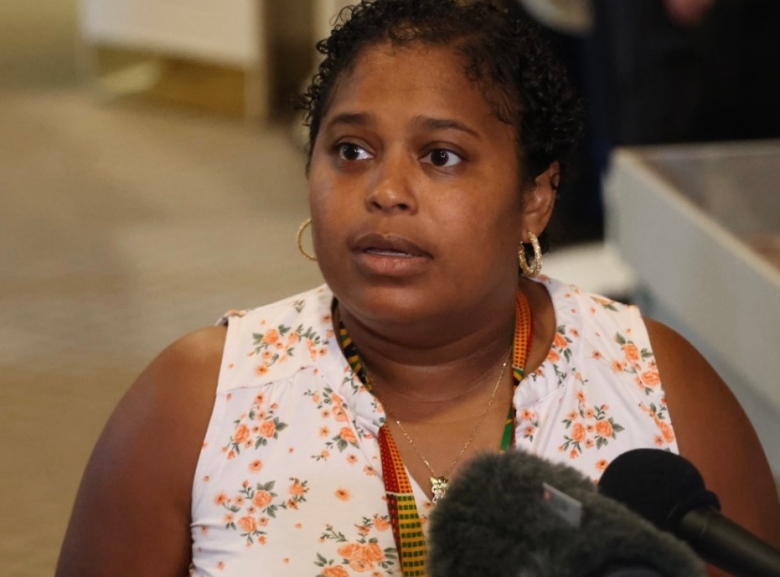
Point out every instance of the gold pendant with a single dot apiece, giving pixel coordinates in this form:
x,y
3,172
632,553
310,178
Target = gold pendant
x,y
439,488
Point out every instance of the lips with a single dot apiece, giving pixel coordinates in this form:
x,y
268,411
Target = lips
x,y
389,256
389,245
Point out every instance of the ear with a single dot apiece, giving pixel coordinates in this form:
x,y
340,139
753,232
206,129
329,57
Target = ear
x,y
539,200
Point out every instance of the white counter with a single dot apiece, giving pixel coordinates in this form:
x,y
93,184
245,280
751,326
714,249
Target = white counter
x,y
700,227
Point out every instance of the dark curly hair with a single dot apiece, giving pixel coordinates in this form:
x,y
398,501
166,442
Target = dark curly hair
x,y
506,56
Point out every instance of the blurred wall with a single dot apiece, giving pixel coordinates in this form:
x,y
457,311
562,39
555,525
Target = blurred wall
x,y
38,41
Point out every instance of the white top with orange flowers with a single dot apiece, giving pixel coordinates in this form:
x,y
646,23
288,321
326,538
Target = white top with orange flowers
x,y
289,480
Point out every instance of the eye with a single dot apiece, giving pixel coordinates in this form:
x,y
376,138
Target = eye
x,y
442,158
351,151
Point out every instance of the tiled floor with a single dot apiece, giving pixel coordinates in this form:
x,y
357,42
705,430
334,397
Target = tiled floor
x,y
121,228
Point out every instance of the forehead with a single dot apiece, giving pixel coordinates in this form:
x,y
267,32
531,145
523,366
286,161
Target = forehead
x,y
416,79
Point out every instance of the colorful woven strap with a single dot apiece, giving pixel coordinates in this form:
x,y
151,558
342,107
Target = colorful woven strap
x,y
407,527
524,330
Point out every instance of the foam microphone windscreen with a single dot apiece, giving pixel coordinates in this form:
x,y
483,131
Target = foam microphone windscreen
x,y
659,485
516,515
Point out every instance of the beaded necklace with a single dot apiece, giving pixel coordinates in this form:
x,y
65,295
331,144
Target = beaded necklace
x,y
402,508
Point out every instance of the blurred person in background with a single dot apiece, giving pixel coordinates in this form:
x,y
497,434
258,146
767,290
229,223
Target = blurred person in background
x,y
661,72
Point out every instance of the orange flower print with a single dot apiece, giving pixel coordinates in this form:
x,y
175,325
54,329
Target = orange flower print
x,y
666,431
247,524
221,499
221,565
596,422
651,378
553,356
604,428
261,370
573,454
527,415
360,565
241,434
362,554
296,489
660,416
262,499
578,433
597,355
618,366
631,352
268,429
350,551
346,436
343,495
271,337
373,553
278,344
336,571
352,459
559,341
255,466
601,465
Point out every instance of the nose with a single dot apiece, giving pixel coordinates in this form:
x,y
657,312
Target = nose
x,y
391,189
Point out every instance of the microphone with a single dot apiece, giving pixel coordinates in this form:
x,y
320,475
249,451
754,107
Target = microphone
x,y
669,491
517,515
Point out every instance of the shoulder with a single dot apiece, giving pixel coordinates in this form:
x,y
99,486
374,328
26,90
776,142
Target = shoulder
x,y
133,504
710,425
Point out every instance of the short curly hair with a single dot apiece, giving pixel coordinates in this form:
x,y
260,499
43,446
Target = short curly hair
x,y
505,55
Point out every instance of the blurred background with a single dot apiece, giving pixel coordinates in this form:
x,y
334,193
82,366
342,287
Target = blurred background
x,y
152,177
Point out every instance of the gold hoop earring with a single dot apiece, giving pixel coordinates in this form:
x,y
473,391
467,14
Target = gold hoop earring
x,y
528,271
299,236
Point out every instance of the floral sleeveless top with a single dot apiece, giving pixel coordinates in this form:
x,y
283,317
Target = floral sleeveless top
x,y
289,479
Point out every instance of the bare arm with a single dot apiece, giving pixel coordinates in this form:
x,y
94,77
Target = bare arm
x,y
132,511
714,433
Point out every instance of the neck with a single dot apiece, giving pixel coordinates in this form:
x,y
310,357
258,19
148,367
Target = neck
x,y
454,362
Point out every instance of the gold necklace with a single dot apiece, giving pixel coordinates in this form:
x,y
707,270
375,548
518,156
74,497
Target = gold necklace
x,y
440,483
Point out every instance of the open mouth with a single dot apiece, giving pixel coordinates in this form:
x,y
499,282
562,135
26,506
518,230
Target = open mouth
x,y
388,252
390,245
390,255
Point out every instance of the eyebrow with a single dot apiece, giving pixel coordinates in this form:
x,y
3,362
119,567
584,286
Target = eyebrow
x,y
443,124
424,122
350,119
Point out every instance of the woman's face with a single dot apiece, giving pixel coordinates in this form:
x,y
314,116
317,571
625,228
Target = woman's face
x,y
415,190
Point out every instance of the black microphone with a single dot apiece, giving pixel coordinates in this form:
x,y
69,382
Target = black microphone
x,y
516,515
669,491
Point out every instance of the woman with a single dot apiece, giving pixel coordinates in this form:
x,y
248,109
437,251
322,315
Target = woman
x,y
439,134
